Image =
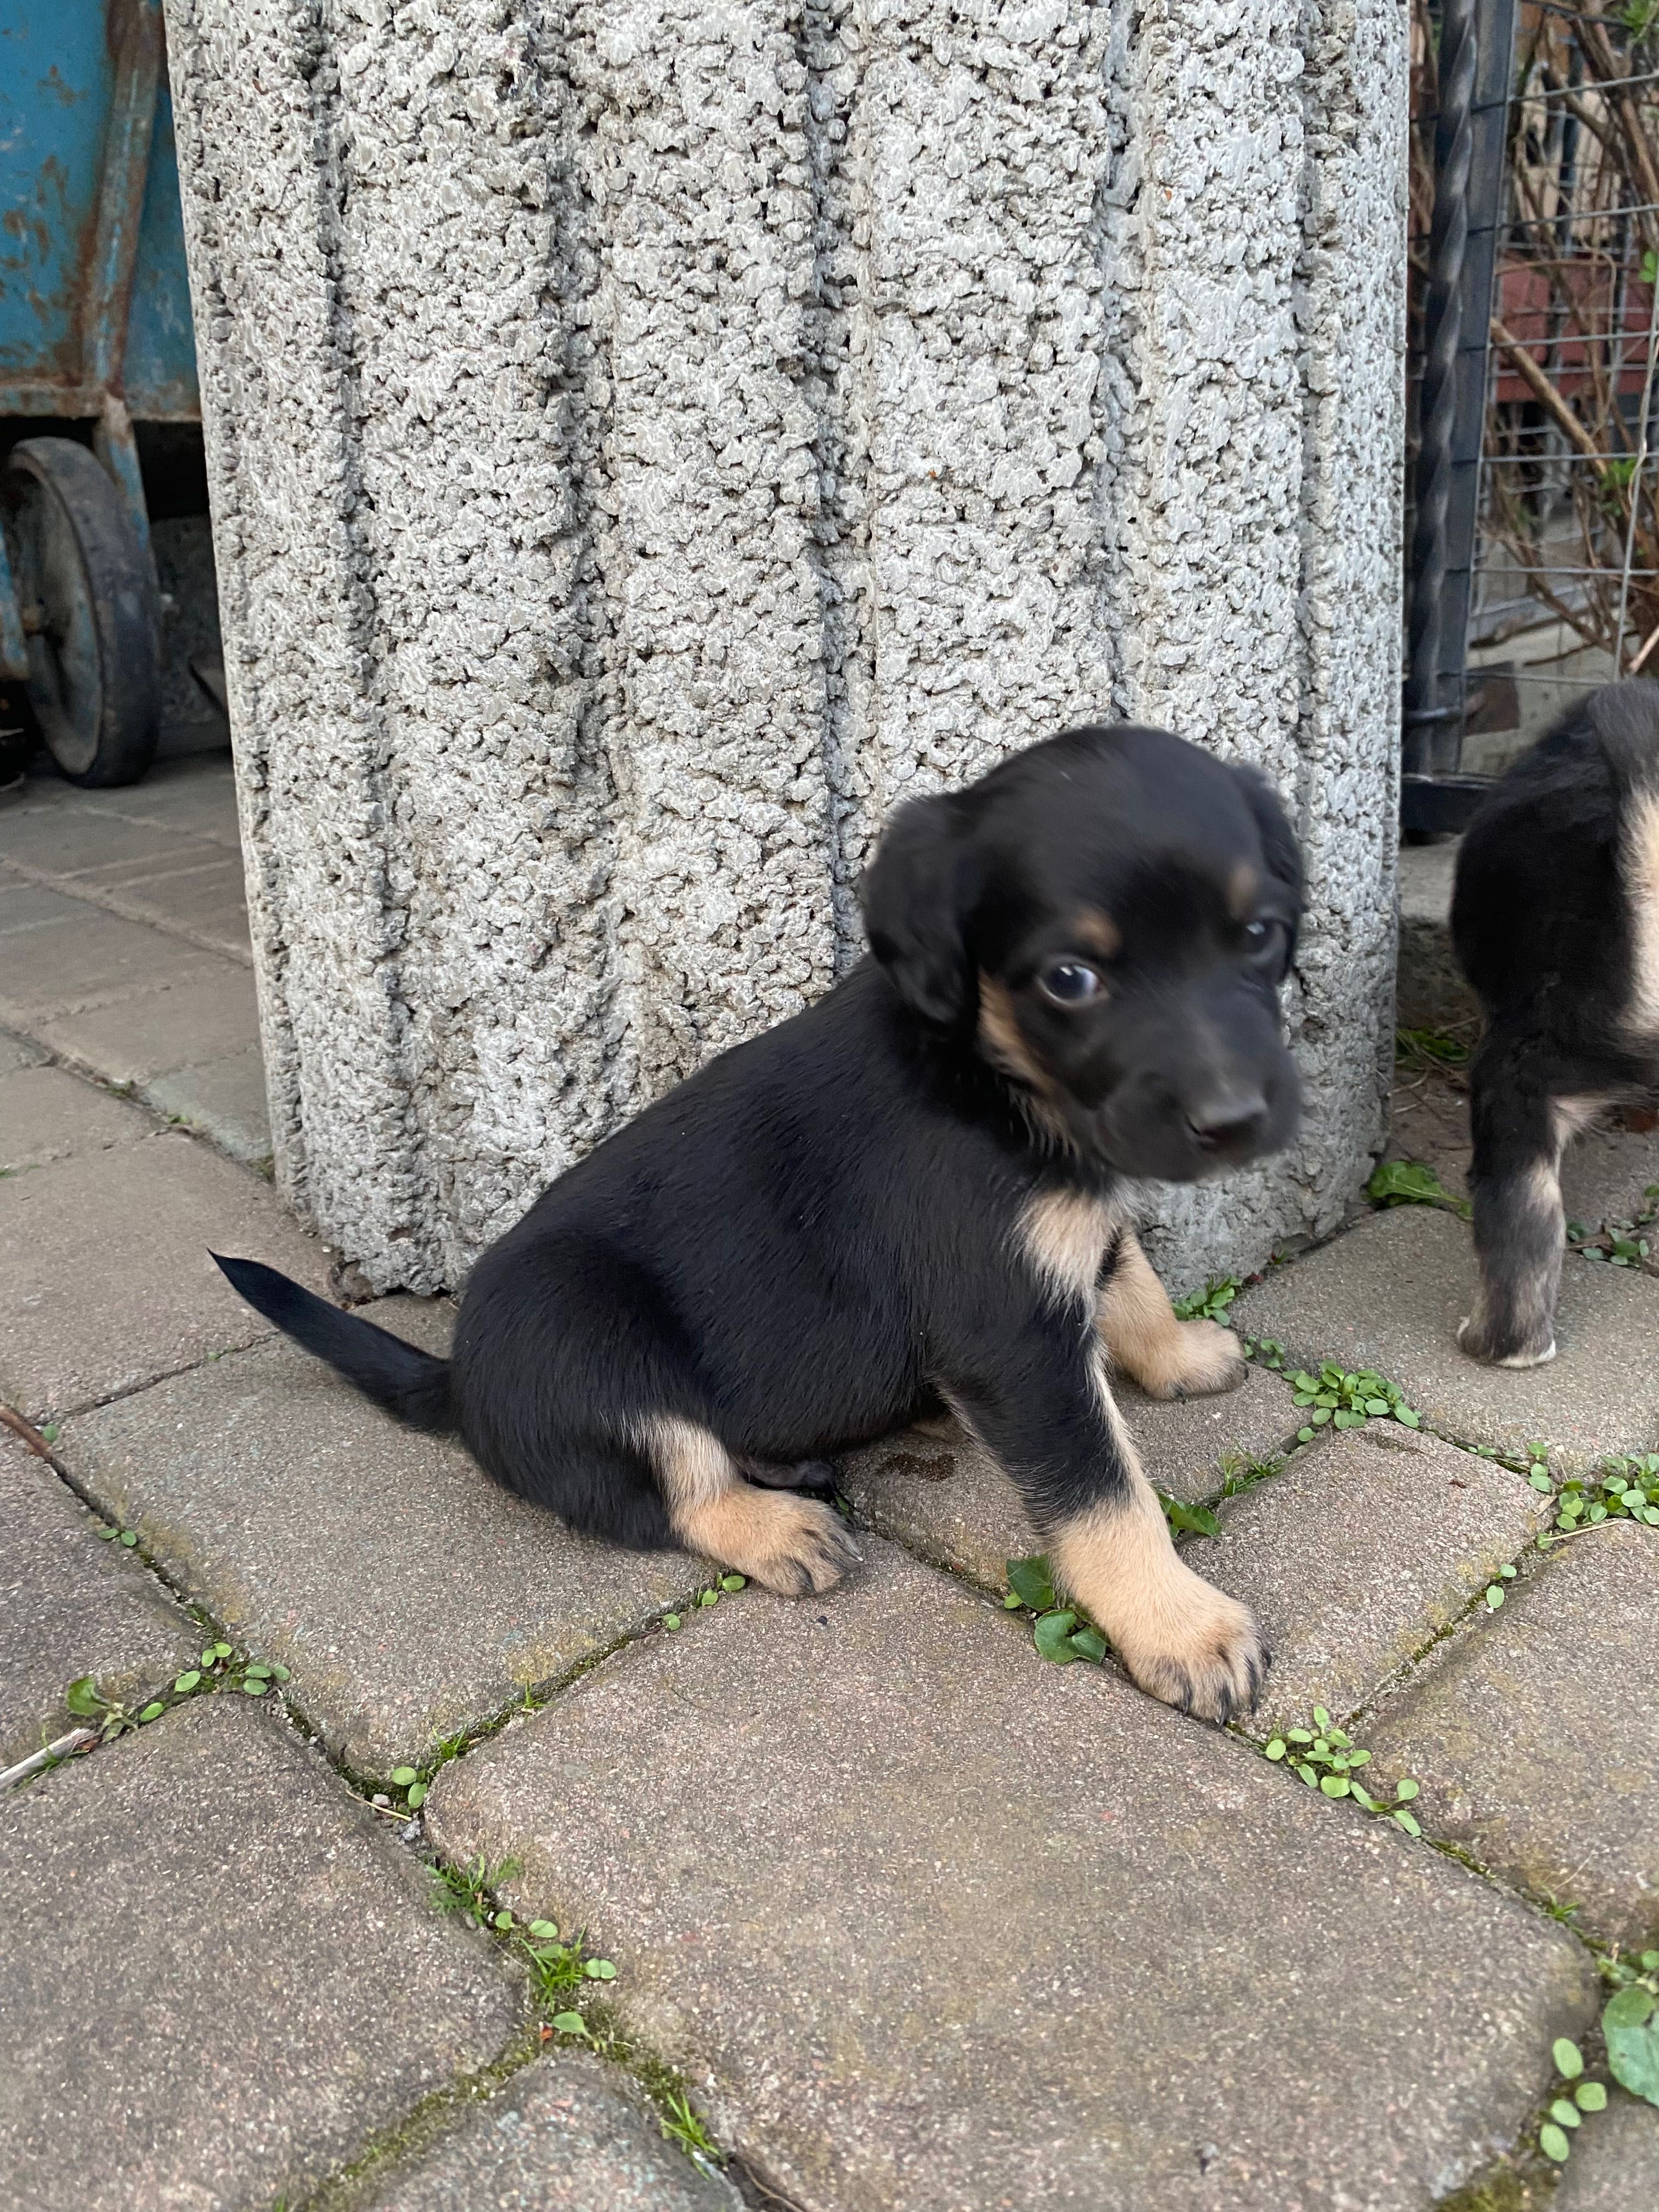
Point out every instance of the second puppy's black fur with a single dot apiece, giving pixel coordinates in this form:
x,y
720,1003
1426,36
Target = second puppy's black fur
x,y
1555,919
919,1194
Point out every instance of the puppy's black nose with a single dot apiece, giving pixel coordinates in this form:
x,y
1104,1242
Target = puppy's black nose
x,y
1228,1123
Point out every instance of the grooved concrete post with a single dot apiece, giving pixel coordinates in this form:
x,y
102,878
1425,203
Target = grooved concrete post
x,y
650,438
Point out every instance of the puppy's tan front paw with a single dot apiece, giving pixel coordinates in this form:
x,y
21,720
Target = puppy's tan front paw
x,y
1196,1648
1201,1359
1179,1637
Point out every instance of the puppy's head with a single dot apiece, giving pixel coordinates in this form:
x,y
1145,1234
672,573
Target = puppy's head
x,y
1106,919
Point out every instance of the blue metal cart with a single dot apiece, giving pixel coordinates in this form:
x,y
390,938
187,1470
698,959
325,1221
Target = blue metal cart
x,y
95,331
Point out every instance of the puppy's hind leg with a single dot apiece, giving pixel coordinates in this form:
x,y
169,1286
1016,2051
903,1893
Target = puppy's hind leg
x,y
1168,1358
784,1541
1520,1230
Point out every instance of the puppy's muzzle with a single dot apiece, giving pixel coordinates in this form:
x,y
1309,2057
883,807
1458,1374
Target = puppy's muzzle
x,y
1229,1124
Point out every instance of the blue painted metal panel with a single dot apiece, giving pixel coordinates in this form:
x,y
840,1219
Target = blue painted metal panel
x,y
160,371
58,87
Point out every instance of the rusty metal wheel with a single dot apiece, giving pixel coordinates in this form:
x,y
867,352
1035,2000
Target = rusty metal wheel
x,y
90,611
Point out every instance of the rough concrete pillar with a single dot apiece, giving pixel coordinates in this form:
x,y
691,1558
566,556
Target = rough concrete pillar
x,y
648,439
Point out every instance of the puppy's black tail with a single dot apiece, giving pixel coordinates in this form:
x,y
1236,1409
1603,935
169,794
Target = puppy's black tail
x,y
408,1383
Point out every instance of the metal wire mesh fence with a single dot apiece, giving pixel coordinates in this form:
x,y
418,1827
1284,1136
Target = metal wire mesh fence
x,y
1534,536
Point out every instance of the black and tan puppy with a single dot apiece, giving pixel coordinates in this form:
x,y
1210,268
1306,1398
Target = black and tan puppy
x,y
1555,919
917,1195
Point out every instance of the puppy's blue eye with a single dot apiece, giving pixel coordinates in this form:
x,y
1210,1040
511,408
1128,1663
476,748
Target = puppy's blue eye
x,y
1263,940
1069,983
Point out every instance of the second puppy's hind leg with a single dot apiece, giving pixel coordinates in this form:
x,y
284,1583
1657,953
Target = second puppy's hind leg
x,y
1520,1230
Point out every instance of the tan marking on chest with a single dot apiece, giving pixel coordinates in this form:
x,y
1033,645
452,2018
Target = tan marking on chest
x,y
1065,1234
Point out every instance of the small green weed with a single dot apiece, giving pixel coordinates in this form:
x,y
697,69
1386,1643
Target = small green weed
x,y
469,1889
1574,2097
1239,1472
218,1668
1413,1182
557,1970
1328,1760
1495,1592
1210,1304
681,2125
1061,1633
1619,1243
1433,1049
1630,2022
1620,1490
1348,1401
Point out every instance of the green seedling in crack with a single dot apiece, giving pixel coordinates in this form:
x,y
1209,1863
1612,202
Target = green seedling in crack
x,y
1210,1304
1060,1632
1630,2022
1574,2096
1347,1401
1413,1183
1328,1761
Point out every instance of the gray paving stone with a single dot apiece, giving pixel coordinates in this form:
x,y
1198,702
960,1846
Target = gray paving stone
x,y
87,958
1365,1548
946,1498
46,1114
568,2134
77,839
409,1595
1389,1294
207,1018
71,1603
157,855
225,1099
27,907
219,1980
1615,2166
1535,1738
105,1280
16,1052
206,901
930,1923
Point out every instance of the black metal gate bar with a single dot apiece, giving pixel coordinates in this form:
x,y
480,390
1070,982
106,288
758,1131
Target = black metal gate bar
x,y
1476,64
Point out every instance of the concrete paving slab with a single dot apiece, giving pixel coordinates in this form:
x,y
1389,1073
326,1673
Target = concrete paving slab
x,y
946,1498
87,958
206,903
931,1923
219,1980
408,1593
165,853
77,839
197,797
209,1017
1389,1294
46,1114
569,2134
17,1052
26,906
1534,1738
225,1099
105,1280
1369,1545
70,1604
1615,2166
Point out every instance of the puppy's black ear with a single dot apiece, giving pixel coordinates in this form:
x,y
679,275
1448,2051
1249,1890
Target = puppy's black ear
x,y
914,895
1279,847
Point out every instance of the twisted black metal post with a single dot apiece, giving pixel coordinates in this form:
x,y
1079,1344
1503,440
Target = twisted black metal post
x,y
1477,50
1442,327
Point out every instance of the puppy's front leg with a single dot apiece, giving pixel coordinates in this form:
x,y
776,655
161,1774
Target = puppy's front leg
x,y
1048,1416
1168,1358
